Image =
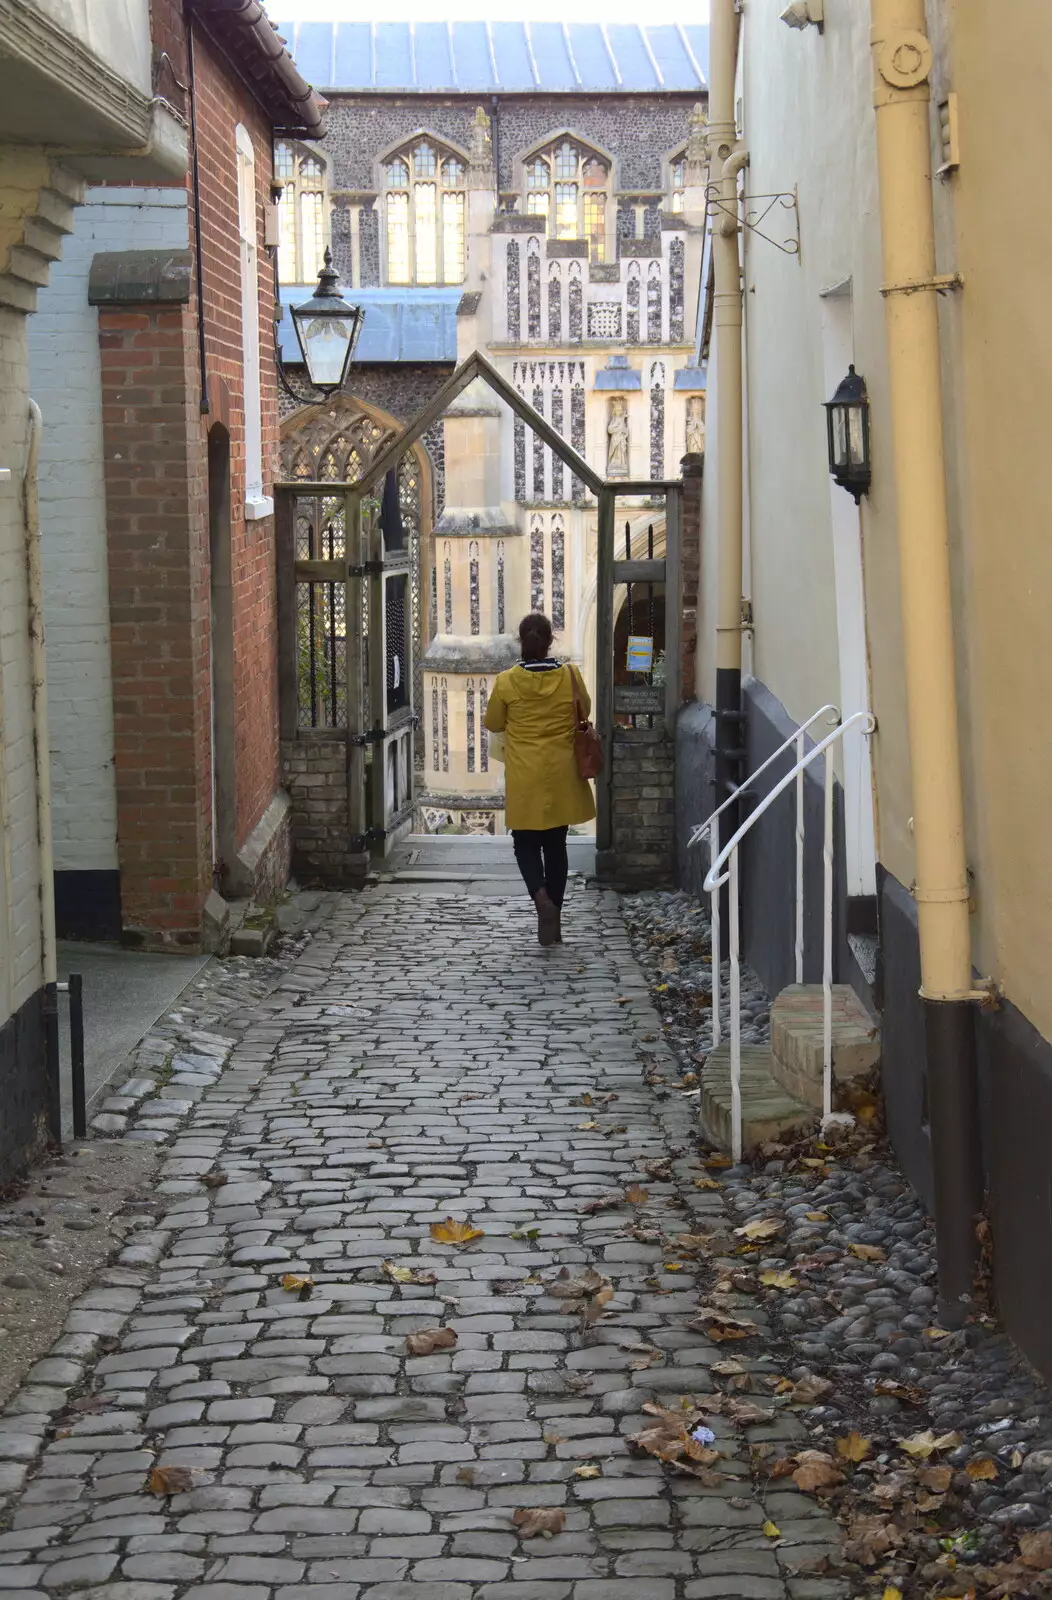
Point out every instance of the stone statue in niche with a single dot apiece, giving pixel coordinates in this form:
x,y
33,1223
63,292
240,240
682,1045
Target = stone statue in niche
x,y
617,438
696,425
481,140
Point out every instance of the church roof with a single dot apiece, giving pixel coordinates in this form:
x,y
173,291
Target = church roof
x,y
499,57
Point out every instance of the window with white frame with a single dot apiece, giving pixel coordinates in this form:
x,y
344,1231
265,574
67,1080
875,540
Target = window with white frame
x,y
570,185
303,213
256,504
425,206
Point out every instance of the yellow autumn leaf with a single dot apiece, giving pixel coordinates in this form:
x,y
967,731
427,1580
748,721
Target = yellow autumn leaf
x,y
817,1216
673,1266
982,1469
868,1252
589,1470
778,1280
853,1447
923,1445
453,1232
636,1195
760,1228
398,1274
585,1127
772,1530
661,988
891,1593
937,1333
706,1183
293,1281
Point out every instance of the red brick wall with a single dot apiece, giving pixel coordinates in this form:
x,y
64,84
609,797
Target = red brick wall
x,y
157,526
222,103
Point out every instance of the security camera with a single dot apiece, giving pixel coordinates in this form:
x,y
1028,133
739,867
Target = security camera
x,y
804,14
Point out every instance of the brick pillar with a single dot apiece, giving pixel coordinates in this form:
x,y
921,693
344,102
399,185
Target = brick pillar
x,y
155,462
693,467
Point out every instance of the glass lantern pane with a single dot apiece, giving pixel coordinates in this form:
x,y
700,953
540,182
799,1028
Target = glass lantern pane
x,y
854,436
841,454
426,198
325,340
398,238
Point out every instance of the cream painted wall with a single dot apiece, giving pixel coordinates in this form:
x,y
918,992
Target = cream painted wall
x,y
808,124
117,31
998,356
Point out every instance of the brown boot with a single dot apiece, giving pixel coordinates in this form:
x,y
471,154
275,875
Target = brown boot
x,y
558,925
547,918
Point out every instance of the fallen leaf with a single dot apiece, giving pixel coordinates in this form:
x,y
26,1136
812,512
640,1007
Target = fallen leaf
x,y
817,1216
673,1266
589,1470
853,1447
171,1480
981,1469
586,1127
465,1475
871,1537
215,1180
760,1228
901,1391
544,1520
453,1232
636,1195
428,1340
707,1183
1035,1550
721,1325
717,1163
779,1280
772,1530
868,1252
729,1368
604,1202
816,1470
923,1445
670,1438
937,1333
582,1100
399,1274
891,1593
294,1282
937,1479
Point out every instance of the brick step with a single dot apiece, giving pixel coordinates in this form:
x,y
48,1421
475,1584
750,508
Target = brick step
x,y
767,1110
796,1039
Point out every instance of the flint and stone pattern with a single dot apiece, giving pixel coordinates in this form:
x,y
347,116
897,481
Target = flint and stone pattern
x,y
514,309
676,261
351,1097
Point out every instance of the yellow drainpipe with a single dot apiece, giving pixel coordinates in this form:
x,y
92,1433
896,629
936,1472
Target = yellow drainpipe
x,y
726,160
902,59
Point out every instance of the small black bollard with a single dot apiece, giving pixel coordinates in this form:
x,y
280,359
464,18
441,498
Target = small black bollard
x,y
76,1054
52,1065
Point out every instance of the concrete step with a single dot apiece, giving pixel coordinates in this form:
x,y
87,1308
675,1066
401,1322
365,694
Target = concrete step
x,y
767,1111
796,1039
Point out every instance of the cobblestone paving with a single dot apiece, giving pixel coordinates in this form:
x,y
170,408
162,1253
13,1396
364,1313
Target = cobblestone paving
x,y
421,1058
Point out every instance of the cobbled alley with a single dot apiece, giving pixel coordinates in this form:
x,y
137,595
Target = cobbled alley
x,y
302,1381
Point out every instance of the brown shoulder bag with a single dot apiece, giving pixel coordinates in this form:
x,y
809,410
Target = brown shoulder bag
x,y
587,745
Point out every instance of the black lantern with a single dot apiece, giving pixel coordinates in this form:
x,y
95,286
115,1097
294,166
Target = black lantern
x,y
847,419
327,329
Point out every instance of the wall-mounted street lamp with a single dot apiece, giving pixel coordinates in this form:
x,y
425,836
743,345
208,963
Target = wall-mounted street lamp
x,y
327,328
847,422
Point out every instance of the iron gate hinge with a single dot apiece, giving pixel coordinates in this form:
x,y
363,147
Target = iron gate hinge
x,y
368,569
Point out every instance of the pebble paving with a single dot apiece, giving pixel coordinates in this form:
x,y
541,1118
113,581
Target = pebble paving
x,y
419,1058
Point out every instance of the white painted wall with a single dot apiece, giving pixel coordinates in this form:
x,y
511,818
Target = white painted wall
x,y
117,31
65,380
20,967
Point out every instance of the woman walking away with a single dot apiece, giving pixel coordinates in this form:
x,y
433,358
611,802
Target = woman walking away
x,y
535,705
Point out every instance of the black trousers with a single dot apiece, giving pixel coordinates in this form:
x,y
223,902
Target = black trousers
x,y
542,859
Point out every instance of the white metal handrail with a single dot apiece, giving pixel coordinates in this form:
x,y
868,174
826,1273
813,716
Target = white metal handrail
x,y
830,714
713,883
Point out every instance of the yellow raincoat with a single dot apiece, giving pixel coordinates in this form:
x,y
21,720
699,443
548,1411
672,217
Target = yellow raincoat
x,y
535,712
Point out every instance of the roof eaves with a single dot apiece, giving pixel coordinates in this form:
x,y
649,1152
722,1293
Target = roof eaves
x,y
244,33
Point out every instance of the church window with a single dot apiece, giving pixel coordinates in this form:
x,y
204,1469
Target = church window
x,y
425,216
570,186
303,213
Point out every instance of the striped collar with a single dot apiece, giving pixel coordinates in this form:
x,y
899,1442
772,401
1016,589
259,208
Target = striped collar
x,y
540,666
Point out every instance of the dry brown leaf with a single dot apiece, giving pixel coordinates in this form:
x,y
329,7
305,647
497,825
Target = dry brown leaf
x,y
399,1274
586,1127
868,1252
853,1447
604,1202
707,1183
922,1445
779,1280
428,1340
453,1232
296,1282
544,1520
760,1228
1035,1550
729,1368
717,1163
589,1470
171,1480
808,1389
784,1467
816,1470
870,1538
981,1469
465,1475
937,1479
215,1180
669,1439
746,1414
636,1195
900,1391
722,1325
